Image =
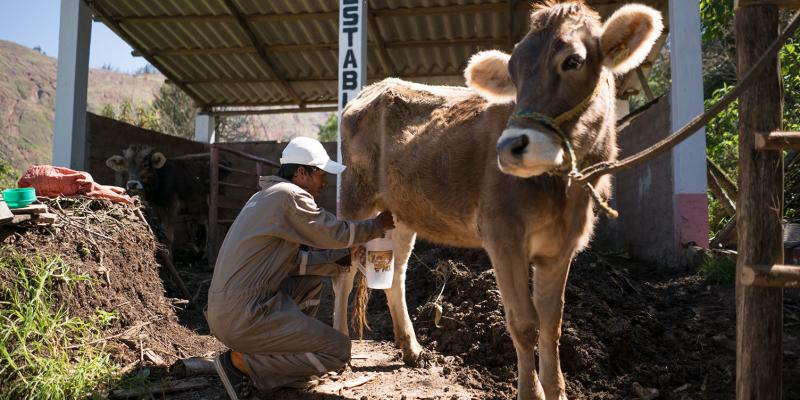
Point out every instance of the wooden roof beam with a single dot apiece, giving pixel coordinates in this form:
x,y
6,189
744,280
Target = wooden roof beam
x,y
320,46
261,50
378,13
268,111
325,79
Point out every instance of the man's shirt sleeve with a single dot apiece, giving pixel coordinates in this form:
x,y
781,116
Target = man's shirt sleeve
x,y
319,262
310,225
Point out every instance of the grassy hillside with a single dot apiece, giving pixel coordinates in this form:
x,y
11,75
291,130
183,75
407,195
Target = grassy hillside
x,y
27,105
27,100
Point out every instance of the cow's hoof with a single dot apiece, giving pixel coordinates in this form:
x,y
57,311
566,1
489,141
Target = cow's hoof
x,y
420,359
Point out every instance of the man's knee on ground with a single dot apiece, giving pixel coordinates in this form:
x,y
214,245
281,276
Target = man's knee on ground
x,y
342,347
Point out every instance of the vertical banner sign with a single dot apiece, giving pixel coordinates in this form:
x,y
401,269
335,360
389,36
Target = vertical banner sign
x,y
352,64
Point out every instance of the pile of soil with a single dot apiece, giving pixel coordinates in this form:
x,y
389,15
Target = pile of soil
x,y
112,244
630,329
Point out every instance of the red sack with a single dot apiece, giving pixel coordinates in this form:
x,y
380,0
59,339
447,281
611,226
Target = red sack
x,y
50,181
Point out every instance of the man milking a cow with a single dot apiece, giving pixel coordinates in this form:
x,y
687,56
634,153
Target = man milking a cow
x,y
267,280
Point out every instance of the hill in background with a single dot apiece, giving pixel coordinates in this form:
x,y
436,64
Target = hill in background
x,y
27,105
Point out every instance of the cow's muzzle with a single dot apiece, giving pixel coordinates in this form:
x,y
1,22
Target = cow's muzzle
x,y
134,185
527,152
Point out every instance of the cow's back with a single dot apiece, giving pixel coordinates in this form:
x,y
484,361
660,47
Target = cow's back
x,y
422,152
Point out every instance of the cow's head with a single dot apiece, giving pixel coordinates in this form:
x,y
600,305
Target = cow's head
x,y
139,165
565,62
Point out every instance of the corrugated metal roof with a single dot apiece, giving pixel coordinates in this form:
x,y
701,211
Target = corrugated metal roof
x,y
200,45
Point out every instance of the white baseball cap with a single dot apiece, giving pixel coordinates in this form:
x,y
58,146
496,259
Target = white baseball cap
x,y
308,151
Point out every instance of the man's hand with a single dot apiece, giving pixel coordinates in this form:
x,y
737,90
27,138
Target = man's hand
x,y
360,254
385,220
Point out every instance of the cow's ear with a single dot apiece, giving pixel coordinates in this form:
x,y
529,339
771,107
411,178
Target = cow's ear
x,y
117,163
628,35
157,160
487,74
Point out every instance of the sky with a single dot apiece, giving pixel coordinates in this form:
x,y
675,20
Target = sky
x,y
35,23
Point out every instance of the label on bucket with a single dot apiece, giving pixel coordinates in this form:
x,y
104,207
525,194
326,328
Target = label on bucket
x,y
380,260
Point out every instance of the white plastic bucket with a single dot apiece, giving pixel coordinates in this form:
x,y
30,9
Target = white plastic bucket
x,y
380,262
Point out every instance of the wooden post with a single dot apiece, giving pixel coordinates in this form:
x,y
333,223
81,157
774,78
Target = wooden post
x,y
213,202
759,311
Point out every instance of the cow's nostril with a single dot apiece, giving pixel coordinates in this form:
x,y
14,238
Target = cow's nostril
x,y
519,145
515,145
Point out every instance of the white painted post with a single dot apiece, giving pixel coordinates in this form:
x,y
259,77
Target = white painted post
x,y
204,128
690,201
352,64
72,79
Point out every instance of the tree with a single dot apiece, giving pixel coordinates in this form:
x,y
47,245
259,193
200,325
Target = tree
x,y
237,128
108,111
719,72
719,77
173,112
8,175
176,111
147,69
327,131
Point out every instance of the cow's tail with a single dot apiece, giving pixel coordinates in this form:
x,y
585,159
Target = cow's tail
x,y
358,320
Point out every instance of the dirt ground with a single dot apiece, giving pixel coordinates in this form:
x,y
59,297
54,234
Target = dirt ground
x,y
631,330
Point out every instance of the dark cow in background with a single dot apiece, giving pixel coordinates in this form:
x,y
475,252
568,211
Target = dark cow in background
x,y
167,186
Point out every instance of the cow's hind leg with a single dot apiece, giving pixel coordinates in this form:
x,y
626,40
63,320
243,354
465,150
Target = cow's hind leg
x,y
342,286
357,204
549,281
512,271
404,336
343,283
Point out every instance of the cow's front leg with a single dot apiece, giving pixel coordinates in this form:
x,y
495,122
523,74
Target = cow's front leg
x,y
549,281
404,336
342,286
512,271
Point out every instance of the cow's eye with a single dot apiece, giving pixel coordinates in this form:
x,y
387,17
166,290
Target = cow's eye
x,y
574,61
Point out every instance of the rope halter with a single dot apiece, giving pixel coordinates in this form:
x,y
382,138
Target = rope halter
x,y
555,125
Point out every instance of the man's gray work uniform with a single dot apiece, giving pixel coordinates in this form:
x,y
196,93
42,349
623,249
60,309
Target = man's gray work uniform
x,y
265,290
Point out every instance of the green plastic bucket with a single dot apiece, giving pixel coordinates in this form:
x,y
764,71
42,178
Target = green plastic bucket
x,y
21,197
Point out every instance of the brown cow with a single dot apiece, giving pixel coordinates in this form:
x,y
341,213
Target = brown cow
x,y
487,167
166,185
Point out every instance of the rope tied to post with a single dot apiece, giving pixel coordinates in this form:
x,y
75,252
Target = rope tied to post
x,y
554,124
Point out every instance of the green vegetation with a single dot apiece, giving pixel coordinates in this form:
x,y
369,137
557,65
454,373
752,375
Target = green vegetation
x,y
718,270
176,111
45,353
327,131
173,112
719,77
8,175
